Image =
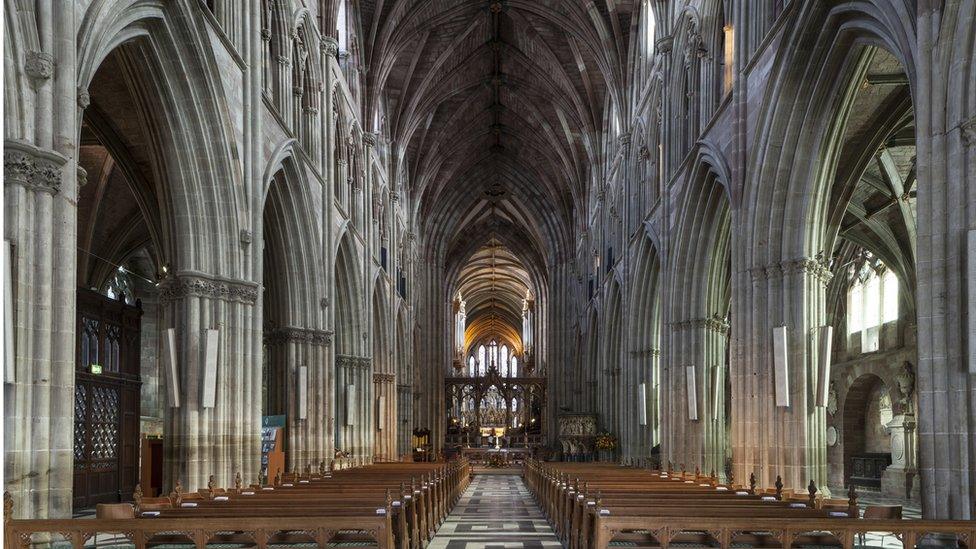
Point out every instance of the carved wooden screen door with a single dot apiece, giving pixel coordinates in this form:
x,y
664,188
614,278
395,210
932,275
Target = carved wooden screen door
x,y
106,403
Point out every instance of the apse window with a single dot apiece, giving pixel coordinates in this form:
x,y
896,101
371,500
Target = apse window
x,y
872,301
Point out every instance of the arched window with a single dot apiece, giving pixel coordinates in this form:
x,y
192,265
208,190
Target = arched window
x,y
872,300
493,352
342,27
482,360
513,367
472,366
503,363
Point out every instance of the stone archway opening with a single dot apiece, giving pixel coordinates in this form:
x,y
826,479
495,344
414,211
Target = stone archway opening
x,y
867,439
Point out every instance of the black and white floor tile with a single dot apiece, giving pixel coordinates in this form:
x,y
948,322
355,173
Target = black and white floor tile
x,y
495,512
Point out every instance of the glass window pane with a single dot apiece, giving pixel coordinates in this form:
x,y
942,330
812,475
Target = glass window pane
x,y
854,307
890,290
872,302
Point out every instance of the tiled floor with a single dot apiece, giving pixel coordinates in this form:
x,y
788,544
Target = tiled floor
x,y
495,512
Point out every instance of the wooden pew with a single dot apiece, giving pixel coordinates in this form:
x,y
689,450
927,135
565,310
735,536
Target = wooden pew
x,y
392,505
590,505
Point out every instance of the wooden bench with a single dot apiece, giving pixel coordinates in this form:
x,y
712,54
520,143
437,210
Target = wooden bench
x,y
591,504
389,505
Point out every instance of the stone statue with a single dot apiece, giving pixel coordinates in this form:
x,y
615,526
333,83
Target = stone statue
x,y
832,399
906,386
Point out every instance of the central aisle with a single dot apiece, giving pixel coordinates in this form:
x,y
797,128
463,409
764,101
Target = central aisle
x,y
495,512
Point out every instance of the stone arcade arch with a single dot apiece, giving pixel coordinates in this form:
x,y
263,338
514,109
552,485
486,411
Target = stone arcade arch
x,y
384,376
294,333
609,385
696,427
353,370
404,380
192,188
796,205
644,362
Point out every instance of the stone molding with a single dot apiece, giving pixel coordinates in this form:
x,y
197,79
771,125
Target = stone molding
x,y
352,362
384,378
195,284
298,335
329,46
31,167
712,323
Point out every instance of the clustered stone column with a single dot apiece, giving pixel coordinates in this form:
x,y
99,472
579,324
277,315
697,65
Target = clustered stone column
x,y
384,391
290,349
39,386
354,422
770,440
201,441
697,435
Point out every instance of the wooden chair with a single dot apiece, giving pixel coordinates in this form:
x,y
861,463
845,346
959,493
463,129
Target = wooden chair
x,y
880,512
114,511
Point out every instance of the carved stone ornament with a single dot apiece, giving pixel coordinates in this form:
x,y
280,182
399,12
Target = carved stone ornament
x,y
299,335
26,165
369,139
39,65
384,378
968,130
353,362
84,98
906,385
192,284
832,399
329,46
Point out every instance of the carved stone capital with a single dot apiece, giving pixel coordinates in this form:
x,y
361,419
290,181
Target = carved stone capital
x,y
31,167
384,378
329,46
299,335
82,177
815,267
353,362
714,324
39,65
194,284
369,139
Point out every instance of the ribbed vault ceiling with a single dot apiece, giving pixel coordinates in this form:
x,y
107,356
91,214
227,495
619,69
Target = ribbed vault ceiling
x,y
494,107
494,284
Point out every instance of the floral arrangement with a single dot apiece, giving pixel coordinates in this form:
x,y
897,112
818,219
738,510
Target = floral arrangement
x,y
605,441
496,461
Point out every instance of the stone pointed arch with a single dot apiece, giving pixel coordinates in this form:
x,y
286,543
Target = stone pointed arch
x,y
294,324
203,195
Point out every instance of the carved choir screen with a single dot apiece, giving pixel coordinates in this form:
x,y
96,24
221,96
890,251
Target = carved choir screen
x,y
488,409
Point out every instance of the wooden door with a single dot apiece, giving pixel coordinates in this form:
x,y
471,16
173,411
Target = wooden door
x,y
106,403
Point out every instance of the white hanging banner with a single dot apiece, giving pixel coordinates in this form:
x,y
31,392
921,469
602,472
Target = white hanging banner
x,y
781,366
